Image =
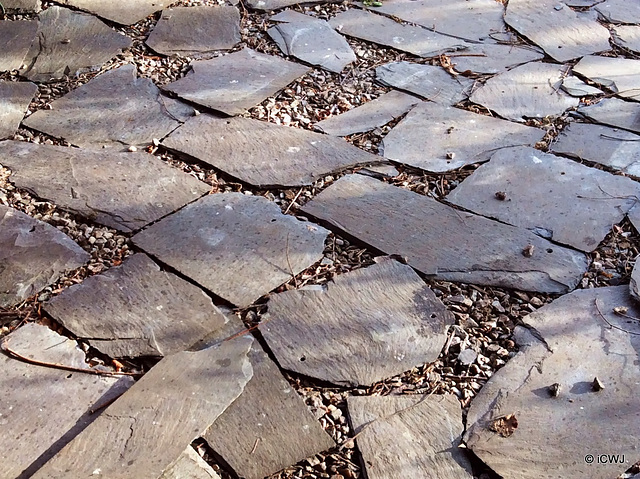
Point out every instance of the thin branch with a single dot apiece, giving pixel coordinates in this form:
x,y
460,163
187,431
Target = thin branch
x,y
295,281
293,201
595,301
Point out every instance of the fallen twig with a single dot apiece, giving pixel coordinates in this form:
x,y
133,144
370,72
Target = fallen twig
x,y
595,301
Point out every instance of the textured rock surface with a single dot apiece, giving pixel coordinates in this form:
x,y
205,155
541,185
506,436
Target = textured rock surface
x,y
620,75
614,112
21,5
493,58
14,101
16,38
619,11
124,12
628,36
576,87
635,282
190,466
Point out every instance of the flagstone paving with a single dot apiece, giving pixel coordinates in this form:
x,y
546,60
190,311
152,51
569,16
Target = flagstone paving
x,y
14,101
16,38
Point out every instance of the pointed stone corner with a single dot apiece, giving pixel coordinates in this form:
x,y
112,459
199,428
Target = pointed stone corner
x,y
620,75
614,112
33,255
548,392
115,109
576,87
190,466
236,82
456,137
410,436
365,326
15,98
124,13
248,246
264,154
183,394
16,36
478,250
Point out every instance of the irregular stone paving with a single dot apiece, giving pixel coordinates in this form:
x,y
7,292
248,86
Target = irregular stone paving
x,y
628,36
493,58
614,112
125,13
14,101
619,75
16,38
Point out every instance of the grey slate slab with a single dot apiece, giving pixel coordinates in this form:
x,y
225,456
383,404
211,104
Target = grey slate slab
x,y
576,87
531,90
146,430
271,416
620,75
14,101
427,81
262,153
195,30
115,109
190,466
438,138
362,327
46,405
33,254
236,82
23,6
569,344
16,37
368,116
619,11
125,191
477,250
123,12
385,31
136,309
635,281
410,436
493,58
628,36
614,112
248,245
562,33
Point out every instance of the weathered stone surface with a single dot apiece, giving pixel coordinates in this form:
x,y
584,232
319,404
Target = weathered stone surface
x,y
264,154
190,466
268,5
438,138
16,38
429,82
268,427
531,90
248,245
493,58
194,30
236,82
14,101
619,11
628,36
564,200
620,75
363,327
614,112
416,436
635,281
387,107
576,87
112,110
70,42
21,5
477,250
33,254
42,408
562,33
123,12
146,430
570,344
128,312
385,31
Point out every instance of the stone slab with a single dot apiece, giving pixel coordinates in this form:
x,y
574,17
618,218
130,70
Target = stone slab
x,y
146,430
46,405
16,37
491,58
410,436
569,344
23,6
264,154
248,245
628,36
361,328
236,82
438,138
531,90
195,30
635,281
15,98
576,87
368,116
619,11
115,109
477,250
33,254
190,466
620,75
125,191
614,112
562,33
123,12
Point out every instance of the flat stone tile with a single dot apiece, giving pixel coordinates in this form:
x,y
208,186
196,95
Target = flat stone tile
x,y
614,112
15,98
21,5
410,436
628,36
570,203
195,30
16,37
477,250
115,109
619,11
617,149
264,154
620,75
124,13
492,58
561,32
385,31
148,428
190,466
125,191
576,87
268,427
33,254
248,245
368,116
362,327
46,405
439,138
427,81
531,90
236,82
569,344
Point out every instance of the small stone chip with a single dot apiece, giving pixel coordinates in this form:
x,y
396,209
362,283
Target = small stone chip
x,y
597,384
554,390
450,155
528,251
501,195
621,310
504,425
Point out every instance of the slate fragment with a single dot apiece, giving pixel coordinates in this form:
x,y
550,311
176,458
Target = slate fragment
x,y
620,75
619,11
635,282
16,37
493,57
576,87
123,12
627,36
190,466
614,112
477,250
15,98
